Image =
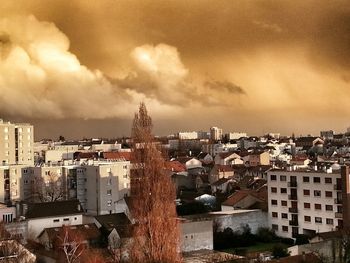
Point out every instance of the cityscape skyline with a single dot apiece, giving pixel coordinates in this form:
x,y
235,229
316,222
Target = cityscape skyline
x,y
258,67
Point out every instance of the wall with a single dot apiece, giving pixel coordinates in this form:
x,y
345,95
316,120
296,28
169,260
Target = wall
x,y
237,218
196,235
36,225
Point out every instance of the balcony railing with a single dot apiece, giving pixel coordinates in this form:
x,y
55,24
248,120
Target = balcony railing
x,y
337,187
338,201
338,215
293,222
293,210
292,184
292,197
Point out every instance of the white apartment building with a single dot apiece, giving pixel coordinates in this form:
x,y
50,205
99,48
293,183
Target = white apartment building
x,y
16,143
215,133
307,201
101,185
236,135
188,135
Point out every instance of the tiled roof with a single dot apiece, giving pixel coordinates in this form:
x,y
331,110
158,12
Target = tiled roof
x,y
175,166
118,221
86,231
220,181
50,209
117,155
224,168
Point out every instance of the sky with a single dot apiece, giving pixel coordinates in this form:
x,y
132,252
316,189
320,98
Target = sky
x,y
80,68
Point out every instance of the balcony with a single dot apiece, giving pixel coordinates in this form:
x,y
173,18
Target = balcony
x,y
337,187
338,215
293,210
338,201
293,222
292,197
292,184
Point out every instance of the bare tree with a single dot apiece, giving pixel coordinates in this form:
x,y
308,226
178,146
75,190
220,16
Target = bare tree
x,y
49,188
156,233
71,243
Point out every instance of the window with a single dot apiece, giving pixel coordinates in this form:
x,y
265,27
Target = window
x,y
7,218
284,203
284,216
273,202
307,218
25,181
6,137
125,167
274,227
273,177
318,206
109,202
317,193
318,220
306,192
56,220
109,181
66,219
109,170
109,192
317,180
328,180
273,189
285,228
47,172
283,190
329,194
283,178
306,179
6,129
307,205
329,221
329,208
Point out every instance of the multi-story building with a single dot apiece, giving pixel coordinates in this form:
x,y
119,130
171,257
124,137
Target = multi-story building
x,y
308,201
16,143
215,133
236,135
188,135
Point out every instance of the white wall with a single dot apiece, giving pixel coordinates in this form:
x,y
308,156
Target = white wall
x,y
196,235
36,225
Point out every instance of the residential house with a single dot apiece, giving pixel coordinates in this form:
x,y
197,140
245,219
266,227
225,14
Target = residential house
x,y
220,171
205,158
51,214
88,235
228,158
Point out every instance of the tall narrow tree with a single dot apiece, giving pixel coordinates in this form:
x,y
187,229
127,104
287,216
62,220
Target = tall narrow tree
x,y
156,232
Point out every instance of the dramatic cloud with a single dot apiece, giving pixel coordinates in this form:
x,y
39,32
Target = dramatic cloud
x,y
257,65
40,78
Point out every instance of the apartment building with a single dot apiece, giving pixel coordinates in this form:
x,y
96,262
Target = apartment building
x,y
105,184
308,201
215,133
16,143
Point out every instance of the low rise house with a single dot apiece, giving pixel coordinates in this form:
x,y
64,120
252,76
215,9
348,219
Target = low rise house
x,y
87,234
116,229
52,214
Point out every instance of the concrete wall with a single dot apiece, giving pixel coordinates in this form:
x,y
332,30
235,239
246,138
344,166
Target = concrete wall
x,y
238,218
196,235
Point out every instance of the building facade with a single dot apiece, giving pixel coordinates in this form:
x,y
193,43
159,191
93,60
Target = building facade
x,y
307,201
16,143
